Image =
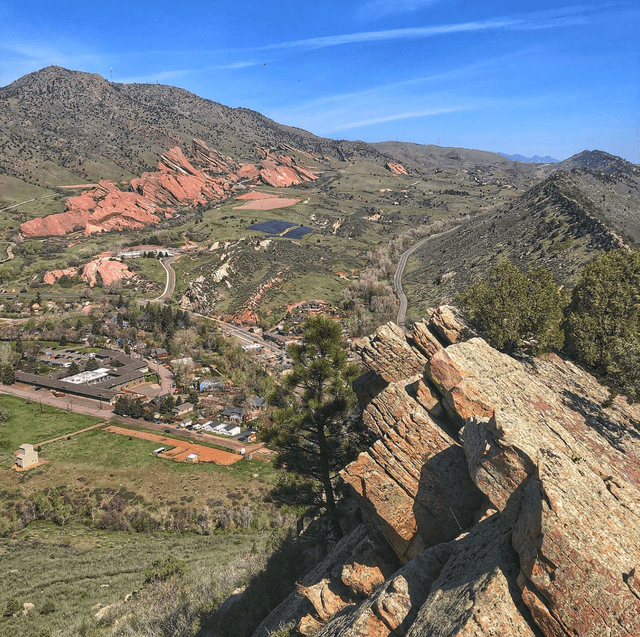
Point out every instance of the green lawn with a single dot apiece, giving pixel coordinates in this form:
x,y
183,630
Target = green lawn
x,y
32,423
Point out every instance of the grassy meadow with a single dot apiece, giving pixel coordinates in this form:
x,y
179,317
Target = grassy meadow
x,y
82,528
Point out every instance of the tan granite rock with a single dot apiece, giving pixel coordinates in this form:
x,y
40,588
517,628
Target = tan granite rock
x,y
388,353
413,482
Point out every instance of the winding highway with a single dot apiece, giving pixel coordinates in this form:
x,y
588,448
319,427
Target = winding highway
x,y
243,335
397,277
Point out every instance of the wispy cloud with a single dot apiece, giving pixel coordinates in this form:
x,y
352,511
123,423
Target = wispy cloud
x,y
162,76
455,90
567,16
398,116
411,33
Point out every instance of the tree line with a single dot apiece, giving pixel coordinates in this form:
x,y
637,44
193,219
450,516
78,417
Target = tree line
x,y
597,325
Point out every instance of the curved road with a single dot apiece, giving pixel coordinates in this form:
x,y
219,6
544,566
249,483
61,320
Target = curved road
x,y
171,277
243,335
397,278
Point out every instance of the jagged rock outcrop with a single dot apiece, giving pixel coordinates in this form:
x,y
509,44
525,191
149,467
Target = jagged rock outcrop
x,y
510,493
103,270
102,208
413,482
360,562
177,182
395,168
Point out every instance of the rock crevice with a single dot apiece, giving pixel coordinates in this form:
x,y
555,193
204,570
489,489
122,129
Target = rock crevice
x,y
499,486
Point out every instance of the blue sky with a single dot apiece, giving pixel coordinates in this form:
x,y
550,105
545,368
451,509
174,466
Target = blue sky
x,y
518,77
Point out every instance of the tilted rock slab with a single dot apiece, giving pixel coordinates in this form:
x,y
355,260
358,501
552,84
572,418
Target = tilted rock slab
x,y
388,353
572,496
551,541
414,480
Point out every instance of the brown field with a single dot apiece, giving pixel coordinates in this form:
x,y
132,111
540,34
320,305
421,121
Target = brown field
x,y
267,204
182,449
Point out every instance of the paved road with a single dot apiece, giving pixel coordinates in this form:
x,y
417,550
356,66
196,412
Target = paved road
x,y
246,337
397,278
171,277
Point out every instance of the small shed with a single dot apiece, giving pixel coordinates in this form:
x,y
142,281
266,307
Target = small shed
x,y
27,456
192,457
158,451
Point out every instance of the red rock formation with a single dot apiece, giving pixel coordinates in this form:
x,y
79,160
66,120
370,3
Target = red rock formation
x,y
53,275
177,182
102,208
279,176
102,270
396,169
105,271
248,171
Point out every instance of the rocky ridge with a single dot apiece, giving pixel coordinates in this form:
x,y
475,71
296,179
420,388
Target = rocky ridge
x,y
177,182
511,496
559,224
104,269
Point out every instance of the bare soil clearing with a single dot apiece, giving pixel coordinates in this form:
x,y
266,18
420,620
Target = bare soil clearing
x,y
257,195
182,449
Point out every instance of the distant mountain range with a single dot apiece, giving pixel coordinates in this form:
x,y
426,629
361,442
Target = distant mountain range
x,y
536,159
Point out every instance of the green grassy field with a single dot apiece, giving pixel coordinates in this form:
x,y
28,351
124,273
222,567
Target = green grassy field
x,y
33,423
71,565
98,459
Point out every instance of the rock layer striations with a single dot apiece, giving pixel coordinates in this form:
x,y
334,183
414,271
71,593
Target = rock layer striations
x,y
509,493
178,182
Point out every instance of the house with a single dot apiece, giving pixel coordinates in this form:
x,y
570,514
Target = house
x,y
180,410
232,430
27,456
226,430
232,413
186,422
212,426
160,354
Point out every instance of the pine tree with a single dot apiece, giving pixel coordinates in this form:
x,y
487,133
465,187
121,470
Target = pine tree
x,y
517,310
313,427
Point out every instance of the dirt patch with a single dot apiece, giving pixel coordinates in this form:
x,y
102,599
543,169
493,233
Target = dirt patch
x,y
182,449
267,204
